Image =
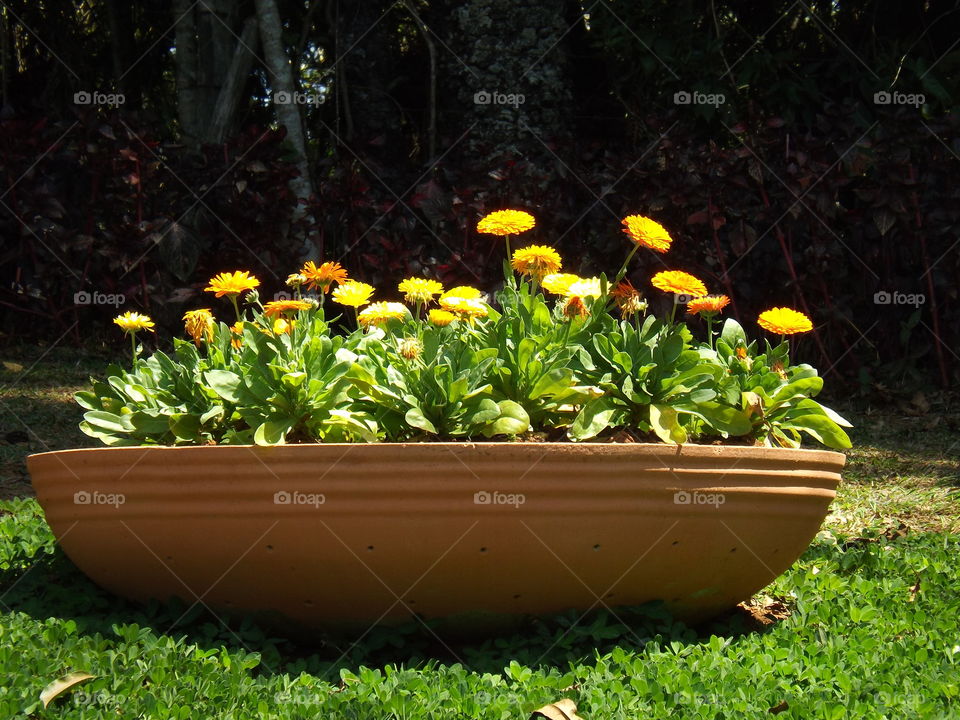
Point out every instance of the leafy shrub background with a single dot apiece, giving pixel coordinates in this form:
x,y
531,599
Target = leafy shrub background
x,y
798,190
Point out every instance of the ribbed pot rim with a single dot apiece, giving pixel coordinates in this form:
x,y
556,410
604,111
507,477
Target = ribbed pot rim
x,y
689,450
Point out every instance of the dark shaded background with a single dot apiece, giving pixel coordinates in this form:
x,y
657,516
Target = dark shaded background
x,y
803,188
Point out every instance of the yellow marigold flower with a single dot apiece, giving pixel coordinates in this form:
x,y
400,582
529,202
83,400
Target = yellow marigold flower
x,y
324,276
584,287
574,307
741,352
379,313
132,322
352,293
679,282
199,325
784,321
232,283
410,348
628,298
506,222
419,290
468,308
282,325
463,291
441,318
295,280
536,261
284,308
708,305
647,232
237,330
559,283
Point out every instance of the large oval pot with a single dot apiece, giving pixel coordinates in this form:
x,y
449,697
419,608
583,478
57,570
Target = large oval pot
x,y
335,536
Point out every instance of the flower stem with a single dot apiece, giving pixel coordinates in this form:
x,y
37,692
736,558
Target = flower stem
x,y
623,269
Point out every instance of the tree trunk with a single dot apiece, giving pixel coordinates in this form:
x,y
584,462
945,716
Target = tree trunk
x,y
288,112
508,71
231,92
185,57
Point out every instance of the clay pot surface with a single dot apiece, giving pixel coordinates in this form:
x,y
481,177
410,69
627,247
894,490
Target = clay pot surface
x,y
336,536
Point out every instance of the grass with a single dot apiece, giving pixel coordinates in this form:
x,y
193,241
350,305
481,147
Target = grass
x,y
866,622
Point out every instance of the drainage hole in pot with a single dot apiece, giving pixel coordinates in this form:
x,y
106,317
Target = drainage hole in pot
x,y
269,548
369,548
411,602
169,558
609,595
596,547
517,596
483,549
308,603
675,542
733,549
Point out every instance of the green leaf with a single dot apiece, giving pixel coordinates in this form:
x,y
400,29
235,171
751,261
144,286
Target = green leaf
x,y
805,387
272,432
723,418
224,383
513,420
594,417
555,382
732,334
664,422
150,423
415,417
822,429
483,412
108,421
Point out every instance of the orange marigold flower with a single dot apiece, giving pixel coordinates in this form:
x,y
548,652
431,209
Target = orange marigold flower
x,y
649,233
784,321
237,329
708,305
283,308
628,298
679,282
379,313
441,318
232,283
199,325
536,261
574,307
559,283
506,222
324,276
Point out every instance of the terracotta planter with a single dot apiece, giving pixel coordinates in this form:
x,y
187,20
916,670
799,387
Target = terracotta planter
x,y
334,536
